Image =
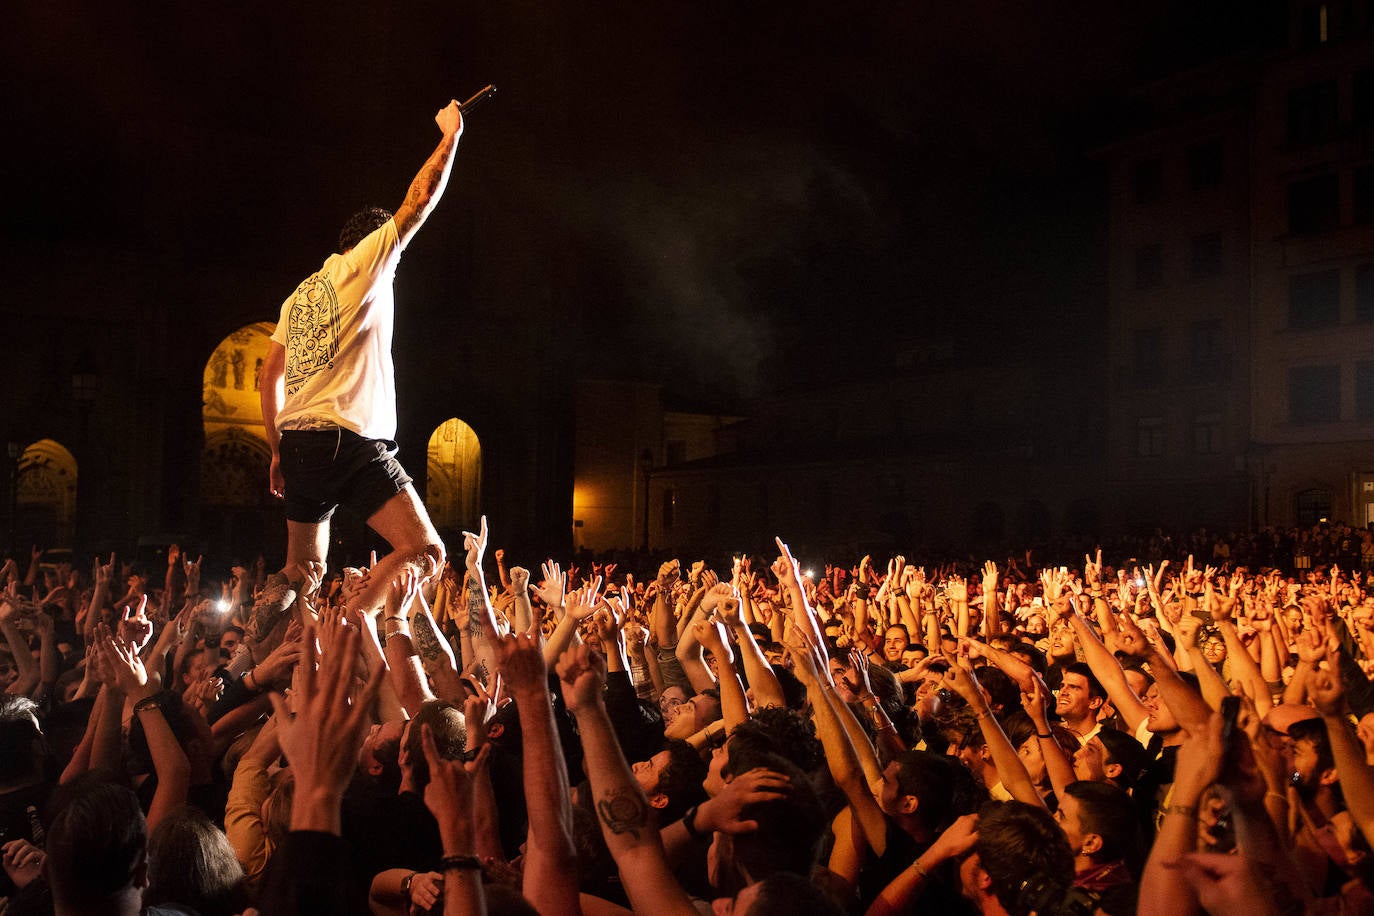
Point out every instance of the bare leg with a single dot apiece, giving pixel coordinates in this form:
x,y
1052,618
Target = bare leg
x,y
405,524
305,541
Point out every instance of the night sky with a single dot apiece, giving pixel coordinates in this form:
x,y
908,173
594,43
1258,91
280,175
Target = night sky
x,y
747,192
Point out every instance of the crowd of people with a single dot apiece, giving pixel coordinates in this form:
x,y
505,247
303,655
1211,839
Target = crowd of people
x,y
763,737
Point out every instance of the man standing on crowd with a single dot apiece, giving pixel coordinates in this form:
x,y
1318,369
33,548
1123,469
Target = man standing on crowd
x,y
329,394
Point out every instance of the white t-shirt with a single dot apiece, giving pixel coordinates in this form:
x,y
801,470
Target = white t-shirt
x,y
336,328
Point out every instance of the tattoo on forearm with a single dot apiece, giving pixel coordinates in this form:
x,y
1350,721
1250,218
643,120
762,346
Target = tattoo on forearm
x,y
425,640
477,609
623,810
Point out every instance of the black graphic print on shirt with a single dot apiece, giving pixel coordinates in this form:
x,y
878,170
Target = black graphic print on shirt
x,y
312,331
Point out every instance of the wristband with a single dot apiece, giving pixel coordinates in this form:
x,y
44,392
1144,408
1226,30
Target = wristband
x,y
405,883
1185,810
920,869
689,821
1045,737
146,704
450,863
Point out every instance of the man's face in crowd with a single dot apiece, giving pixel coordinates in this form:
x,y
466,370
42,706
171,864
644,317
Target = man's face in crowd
x,y
1034,761
694,714
1308,775
1061,641
649,772
715,781
1073,702
378,736
895,642
229,641
891,799
1214,650
1137,681
9,671
1160,720
1090,761
913,656
670,703
928,698
1069,821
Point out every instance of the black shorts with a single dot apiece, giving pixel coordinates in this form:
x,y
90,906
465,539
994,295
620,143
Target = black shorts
x,y
326,467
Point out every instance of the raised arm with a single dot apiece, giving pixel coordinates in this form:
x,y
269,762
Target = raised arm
x,y
1109,673
626,820
428,186
550,874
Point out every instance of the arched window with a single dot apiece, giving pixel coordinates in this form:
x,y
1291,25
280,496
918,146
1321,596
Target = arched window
x,y
238,512
454,494
45,495
229,387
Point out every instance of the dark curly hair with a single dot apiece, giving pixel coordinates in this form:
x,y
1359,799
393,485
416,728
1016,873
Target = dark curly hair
x,y
773,730
360,225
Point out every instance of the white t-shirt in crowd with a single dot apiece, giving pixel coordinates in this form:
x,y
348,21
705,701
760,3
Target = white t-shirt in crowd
x,y
336,328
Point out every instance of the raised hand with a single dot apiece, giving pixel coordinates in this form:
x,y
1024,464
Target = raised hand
x,y
723,813
858,684
135,628
130,677
475,545
1186,631
582,603
551,589
519,579
582,672
668,574
1130,639
520,660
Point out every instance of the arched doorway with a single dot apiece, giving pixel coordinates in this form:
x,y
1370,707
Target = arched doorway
x,y
239,515
45,496
454,493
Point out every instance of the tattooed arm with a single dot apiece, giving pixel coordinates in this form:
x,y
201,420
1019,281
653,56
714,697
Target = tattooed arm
x,y
403,663
428,185
481,620
627,823
435,653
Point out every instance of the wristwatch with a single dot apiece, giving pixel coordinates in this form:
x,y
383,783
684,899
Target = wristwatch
x,y
405,883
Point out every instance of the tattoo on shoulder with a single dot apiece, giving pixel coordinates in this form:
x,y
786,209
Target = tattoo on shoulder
x,y
623,810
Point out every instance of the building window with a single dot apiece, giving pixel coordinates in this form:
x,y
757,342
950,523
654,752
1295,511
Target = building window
x,y
1149,266
1314,300
1314,394
1147,356
1364,195
676,450
1364,389
1205,165
1312,113
1149,437
1204,350
1206,259
1314,205
1314,25
1147,180
1207,434
1364,292
1362,86
1313,506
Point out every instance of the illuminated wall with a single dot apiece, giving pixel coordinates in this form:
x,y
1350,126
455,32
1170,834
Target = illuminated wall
x,y
454,491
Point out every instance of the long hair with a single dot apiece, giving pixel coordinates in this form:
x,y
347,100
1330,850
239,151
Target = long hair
x,y
191,862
